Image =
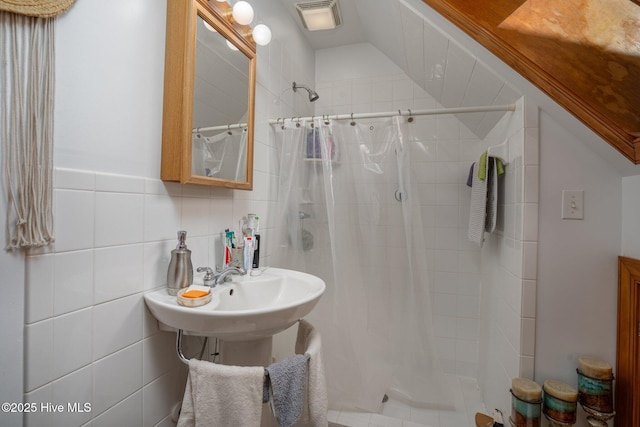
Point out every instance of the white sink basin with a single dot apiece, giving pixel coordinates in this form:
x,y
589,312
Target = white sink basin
x,y
247,308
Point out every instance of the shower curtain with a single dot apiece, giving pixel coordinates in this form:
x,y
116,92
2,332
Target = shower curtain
x,y
349,212
220,156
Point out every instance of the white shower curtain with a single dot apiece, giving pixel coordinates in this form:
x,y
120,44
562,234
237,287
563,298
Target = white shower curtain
x,y
220,156
350,213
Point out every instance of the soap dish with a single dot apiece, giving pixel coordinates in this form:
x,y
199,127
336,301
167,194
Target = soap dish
x,y
193,302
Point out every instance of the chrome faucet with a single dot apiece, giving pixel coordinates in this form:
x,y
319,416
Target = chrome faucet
x,y
221,276
209,278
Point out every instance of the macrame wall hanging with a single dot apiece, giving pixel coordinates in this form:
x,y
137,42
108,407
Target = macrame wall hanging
x,y
27,61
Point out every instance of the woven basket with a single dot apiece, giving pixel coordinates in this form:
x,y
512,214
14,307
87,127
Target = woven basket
x,y
39,8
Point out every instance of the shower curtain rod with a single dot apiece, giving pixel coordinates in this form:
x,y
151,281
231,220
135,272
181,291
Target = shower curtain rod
x,y
221,127
408,112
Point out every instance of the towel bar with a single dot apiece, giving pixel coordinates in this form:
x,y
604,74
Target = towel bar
x,y
181,356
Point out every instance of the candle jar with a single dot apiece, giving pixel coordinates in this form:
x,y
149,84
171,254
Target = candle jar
x,y
560,402
595,393
524,413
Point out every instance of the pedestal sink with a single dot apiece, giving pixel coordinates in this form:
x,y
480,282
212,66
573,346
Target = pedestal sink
x,y
244,313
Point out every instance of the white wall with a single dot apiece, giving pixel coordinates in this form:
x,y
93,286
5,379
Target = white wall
x,y
630,222
88,336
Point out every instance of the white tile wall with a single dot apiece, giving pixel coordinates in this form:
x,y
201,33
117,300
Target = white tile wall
x,y
88,335
509,270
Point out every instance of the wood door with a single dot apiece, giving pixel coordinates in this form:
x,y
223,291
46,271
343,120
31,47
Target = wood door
x,y
627,404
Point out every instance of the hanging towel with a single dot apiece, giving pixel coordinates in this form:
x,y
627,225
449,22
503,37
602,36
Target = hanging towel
x,y
492,195
483,168
316,403
221,395
286,382
470,176
478,206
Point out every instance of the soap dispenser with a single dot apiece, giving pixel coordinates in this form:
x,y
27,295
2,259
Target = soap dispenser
x,y
180,272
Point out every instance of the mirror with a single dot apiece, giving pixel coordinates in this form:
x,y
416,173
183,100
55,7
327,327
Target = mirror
x,y
209,92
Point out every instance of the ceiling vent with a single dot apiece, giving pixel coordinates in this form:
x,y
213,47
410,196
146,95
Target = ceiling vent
x,y
319,15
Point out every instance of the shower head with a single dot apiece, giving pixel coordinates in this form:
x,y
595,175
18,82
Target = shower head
x,y
313,95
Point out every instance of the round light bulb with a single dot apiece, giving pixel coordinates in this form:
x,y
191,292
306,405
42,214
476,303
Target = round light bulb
x,y
261,34
231,46
242,13
209,27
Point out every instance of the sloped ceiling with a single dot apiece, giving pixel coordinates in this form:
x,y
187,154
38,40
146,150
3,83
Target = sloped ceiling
x,y
452,75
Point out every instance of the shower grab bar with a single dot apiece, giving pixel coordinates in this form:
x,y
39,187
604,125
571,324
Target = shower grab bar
x,y
410,113
181,355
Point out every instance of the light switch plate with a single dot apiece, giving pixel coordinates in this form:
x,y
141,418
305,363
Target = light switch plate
x,y
572,204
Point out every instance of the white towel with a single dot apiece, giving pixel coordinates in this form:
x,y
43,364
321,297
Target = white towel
x,y
478,209
222,396
317,404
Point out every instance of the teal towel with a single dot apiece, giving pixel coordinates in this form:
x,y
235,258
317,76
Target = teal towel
x,y
286,381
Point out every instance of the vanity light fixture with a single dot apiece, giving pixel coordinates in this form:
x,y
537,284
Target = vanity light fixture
x,y
319,15
243,14
261,34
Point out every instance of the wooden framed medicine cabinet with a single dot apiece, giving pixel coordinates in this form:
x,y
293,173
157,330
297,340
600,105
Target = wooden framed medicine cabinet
x,y
627,393
209,93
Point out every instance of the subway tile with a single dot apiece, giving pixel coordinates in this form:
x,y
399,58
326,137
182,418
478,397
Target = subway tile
x,y
444,304
466,350
158,356
71,341
157,256
116,376
445,327
158,397
162,188
116,325
447,194
528,337
467,329
161,217
529,298
73,281
73,391
446,260
73,179
127,412
529,260
118,272
531,184
469,261
119,183
38,347
527,367
119,219
38,418
195,216
38,288
468,306
74,219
